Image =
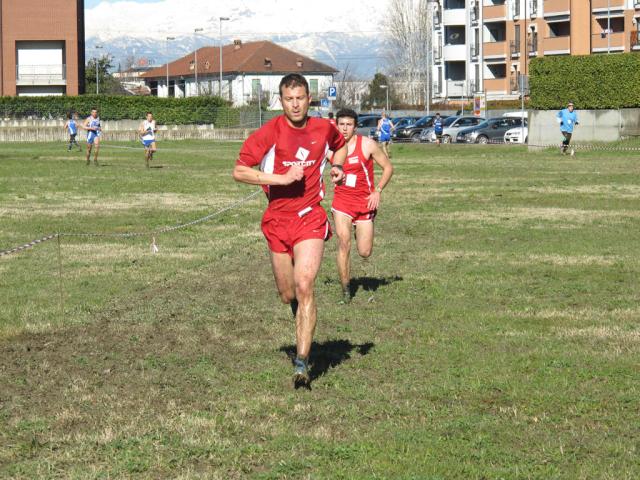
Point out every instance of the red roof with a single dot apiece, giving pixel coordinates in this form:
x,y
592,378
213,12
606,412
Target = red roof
x,y
252,57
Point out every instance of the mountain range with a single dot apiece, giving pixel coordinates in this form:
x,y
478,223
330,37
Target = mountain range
x,y
352,40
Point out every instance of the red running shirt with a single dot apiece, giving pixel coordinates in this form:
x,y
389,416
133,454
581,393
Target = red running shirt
x,y
277,146
358,176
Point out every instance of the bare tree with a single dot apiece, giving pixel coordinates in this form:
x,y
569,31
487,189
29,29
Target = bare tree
x,y
349,89
409,23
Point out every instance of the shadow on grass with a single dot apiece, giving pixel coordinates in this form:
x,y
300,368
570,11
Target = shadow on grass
x,y
329,354
371,284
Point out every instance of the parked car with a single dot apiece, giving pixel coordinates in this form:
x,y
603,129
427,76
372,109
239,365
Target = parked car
x,y
489,131
412,131
452,125
517,135
428,134
399,122
366,123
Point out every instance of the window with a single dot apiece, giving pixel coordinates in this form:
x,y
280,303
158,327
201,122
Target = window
x,y
313,87
256,88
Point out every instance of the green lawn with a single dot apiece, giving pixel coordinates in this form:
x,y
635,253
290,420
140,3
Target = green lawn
x,y
495,332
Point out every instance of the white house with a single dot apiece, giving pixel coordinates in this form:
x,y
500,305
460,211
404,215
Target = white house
x,y
247,69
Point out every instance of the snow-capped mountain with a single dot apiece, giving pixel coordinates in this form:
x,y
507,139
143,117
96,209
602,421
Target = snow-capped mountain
x,y
344,37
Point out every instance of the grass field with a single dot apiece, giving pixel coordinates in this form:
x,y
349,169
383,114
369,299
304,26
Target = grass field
x,y
495,332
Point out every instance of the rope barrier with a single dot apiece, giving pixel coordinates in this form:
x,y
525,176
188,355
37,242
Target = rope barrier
x,y
151,233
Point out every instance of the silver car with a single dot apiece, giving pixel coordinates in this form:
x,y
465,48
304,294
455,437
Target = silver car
x,y
452,125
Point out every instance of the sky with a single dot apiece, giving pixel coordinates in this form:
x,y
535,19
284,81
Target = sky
x,y
108,19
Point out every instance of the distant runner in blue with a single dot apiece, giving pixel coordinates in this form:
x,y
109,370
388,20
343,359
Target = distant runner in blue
x,y
72,128
568,119
94,130
147,131
385,126
438,128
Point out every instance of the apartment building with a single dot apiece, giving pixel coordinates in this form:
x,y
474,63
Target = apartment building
x,y
41,47
502,36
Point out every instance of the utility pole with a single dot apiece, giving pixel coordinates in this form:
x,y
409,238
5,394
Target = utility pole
x,y
221,19
97,70
168,39
195,59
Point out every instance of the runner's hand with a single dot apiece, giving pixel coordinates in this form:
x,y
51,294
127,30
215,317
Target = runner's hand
x,y
337,175
373,200
294,174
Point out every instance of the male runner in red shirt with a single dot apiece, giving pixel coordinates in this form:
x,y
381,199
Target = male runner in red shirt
x,y
291,151
356,199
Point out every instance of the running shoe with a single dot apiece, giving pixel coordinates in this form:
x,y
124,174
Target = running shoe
x,y
301,376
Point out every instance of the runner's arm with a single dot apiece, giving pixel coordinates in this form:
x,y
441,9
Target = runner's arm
x,y
383,162
244,174
339,157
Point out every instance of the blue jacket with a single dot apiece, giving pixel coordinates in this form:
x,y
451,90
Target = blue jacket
x,y
567,120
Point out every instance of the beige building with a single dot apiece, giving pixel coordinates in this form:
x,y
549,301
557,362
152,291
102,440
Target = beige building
x,y
502,36
41,47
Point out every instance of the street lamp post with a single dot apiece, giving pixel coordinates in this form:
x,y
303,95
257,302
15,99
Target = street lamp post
x,y
608,26
386,88
195,58
168,39
97,70
220,20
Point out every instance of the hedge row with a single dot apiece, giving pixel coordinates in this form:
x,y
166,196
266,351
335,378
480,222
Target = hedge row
x,y
192,110
591,82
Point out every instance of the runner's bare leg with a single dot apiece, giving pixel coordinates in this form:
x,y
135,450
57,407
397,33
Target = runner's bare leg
x,y
307,259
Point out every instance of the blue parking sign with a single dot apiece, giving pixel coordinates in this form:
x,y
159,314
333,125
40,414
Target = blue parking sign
x,y
333,92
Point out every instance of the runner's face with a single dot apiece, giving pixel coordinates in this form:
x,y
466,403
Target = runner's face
x,y
571,108
94,113
347,127
295,103
149,117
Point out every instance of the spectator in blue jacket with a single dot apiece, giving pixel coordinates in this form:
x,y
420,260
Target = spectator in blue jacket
x,y
568,119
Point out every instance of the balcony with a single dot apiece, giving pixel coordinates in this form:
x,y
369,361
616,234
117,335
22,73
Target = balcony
x,y
474,13
513,83
494,12
455,52
437,53
557,45
41,75
515,9
514,48
455,88
437,19
456,16
532,45
634,39
496,85
494,49
556,7
602,4
600,43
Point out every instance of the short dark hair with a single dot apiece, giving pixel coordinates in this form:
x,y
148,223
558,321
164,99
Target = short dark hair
x,y
94,108
347,112
293,80
330,115
149,112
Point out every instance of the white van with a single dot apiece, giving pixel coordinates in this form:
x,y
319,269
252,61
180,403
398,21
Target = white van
x,y
517,114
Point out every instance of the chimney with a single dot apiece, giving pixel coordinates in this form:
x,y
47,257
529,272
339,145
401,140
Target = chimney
x,y
267,62
237,44
299,62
